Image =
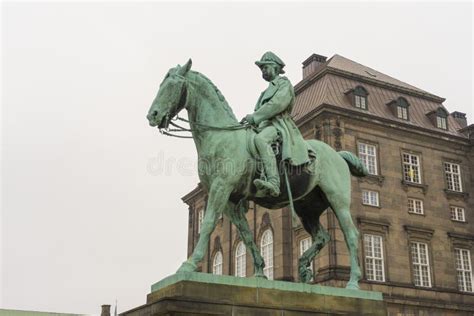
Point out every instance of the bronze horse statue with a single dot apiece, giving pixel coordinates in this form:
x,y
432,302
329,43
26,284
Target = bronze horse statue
x,y
227,167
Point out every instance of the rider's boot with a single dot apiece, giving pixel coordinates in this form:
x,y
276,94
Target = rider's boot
x,y
272,185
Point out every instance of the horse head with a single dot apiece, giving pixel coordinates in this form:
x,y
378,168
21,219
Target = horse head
x,y
171,97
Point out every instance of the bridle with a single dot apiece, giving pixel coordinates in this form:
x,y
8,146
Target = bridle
x,y
182,104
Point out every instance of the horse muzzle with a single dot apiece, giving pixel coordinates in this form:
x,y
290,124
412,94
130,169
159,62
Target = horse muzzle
x,y
154,119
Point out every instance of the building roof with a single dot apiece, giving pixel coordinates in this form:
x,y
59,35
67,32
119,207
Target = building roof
x,y
333,79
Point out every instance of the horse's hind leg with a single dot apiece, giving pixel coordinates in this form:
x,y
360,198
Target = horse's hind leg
x,y
309,215
320,238
236,215
340,203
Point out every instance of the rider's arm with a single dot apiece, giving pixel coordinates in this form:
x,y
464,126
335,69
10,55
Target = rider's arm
x,y
277,104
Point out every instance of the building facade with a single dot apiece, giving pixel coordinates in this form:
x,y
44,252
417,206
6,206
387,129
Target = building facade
x,y
414,212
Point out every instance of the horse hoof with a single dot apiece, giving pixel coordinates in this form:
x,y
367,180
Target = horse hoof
x,y
187,267
352,286
260,275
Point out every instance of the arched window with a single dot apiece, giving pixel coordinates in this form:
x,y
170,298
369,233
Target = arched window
x,y
360,97
240,260
217,263
266,247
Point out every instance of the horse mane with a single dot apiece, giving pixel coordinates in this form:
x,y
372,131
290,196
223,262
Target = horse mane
x,y
221,97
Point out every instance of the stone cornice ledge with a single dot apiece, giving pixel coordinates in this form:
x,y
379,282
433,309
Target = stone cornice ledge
x,y
418,230
370,221
461,236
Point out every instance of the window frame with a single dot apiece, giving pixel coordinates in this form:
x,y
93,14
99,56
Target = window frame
x,y
359,94
243,260
450,176
218,265
422,212
419,165
420,264
268,270
369,198
380,228
441,116
456,217
403,105
463,270
364,156
373,258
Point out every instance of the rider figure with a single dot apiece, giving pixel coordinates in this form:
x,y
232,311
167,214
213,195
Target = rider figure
x,y
272,119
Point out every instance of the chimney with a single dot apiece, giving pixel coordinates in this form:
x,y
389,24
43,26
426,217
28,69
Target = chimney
x,y
105,310
460,118
312,63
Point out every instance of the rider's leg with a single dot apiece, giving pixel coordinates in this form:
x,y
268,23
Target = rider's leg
x,y
263,142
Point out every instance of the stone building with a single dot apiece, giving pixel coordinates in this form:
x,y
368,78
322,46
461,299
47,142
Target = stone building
x,y
414,211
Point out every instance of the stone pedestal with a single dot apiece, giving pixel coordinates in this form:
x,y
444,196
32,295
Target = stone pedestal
x,y
207,294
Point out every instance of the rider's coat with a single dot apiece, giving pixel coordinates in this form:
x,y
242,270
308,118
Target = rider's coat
x,y
274,108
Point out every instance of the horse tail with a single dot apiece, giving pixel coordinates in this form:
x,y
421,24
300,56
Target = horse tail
x,y
356,167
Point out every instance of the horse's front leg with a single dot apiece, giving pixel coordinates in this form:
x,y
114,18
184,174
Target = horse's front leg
x,y
218,197
236,214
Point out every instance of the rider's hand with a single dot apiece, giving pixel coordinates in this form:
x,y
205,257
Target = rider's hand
x,y
249,119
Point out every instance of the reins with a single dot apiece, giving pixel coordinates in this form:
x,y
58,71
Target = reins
x,y
198,126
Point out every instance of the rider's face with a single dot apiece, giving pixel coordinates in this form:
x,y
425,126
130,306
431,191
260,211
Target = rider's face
x,y
269,72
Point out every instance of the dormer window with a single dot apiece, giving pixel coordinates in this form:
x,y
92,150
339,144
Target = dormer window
x,y
400,108
439,118
442,119
359,97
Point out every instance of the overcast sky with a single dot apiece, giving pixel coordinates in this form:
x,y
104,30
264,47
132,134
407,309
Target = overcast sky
x,y
91,195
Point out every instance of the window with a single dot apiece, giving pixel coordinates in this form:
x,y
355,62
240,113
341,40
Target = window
x,y
266,246
304,245
399,108
441,122
415,206
411,168
457,214
360,97
368,156
452,172
402,112
240,260
402,108
200,219
370,198
374,269
360,102
421,264
439,117
464,269
217,264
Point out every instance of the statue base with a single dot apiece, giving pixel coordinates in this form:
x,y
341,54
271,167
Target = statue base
x,y
206,294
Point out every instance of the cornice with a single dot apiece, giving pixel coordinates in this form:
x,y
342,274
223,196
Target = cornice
x,y
350,113
193,194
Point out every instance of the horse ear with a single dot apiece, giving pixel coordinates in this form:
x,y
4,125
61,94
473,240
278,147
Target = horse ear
x,y
184,70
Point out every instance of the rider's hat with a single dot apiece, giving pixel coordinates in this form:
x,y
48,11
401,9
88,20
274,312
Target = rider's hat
x,y
271,58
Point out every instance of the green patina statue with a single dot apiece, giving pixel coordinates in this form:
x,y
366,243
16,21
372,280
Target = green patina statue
x,y
230,155
273,120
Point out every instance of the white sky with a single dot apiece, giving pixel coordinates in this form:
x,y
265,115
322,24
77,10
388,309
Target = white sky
x,y
91,208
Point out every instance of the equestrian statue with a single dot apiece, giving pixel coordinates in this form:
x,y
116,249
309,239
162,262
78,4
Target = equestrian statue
x,y
263,158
